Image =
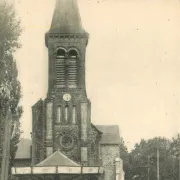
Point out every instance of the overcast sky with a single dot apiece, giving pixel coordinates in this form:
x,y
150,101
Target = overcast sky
x,y
132,63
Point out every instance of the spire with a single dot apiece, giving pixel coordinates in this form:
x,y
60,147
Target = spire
x,y
66,18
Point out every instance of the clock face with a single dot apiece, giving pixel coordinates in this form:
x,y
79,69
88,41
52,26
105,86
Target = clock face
x,y
67,97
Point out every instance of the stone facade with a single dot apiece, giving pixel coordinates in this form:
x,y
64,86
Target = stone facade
x,y
109,154
39,148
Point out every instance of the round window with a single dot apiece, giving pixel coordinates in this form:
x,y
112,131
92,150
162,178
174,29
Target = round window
x,y
67,141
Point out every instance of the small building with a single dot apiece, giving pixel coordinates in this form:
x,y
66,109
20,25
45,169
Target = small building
x,y
65,144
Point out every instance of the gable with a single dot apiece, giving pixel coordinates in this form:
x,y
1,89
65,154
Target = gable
x,y
57,159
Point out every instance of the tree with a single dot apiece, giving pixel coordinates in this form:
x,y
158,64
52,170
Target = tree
x,y
125,157
175,152
10,89
142,160
175,145
144,156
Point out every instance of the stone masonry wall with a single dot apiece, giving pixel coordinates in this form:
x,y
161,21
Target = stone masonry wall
x,y
93,147
109,153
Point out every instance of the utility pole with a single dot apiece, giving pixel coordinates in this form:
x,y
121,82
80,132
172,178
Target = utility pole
x,y
179,165
148,167
157,163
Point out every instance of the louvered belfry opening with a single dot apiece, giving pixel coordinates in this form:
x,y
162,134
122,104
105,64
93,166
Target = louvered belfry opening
x,y
66,68
60,68
72,69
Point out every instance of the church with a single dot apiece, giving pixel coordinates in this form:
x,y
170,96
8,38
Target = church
x,y
65,144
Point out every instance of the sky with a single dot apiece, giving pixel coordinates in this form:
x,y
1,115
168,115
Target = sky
x,y
132,63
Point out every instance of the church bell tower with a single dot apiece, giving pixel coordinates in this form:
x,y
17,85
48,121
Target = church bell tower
x,y
66,42
66,110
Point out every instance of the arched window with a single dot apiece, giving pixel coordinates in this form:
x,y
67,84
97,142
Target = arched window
x,y
60,67
66,114
72,68
61,53
74,115
58,120
73,53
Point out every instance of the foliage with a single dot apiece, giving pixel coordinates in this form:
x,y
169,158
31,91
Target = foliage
x,y
10,29
125,157
175,154
9,33
10,89
141,162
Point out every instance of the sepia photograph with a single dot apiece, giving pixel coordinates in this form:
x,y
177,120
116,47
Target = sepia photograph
x,y
89,89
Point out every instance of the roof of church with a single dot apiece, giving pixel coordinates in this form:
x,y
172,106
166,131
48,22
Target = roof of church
x,y
24,150
57,159
110,134
66,18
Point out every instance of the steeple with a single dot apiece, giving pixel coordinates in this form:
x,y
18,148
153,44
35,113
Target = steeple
x,y
66,41
66,18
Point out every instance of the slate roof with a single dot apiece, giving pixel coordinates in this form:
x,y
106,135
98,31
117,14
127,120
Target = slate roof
x,y
57,159
24,149
110,134
66,18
